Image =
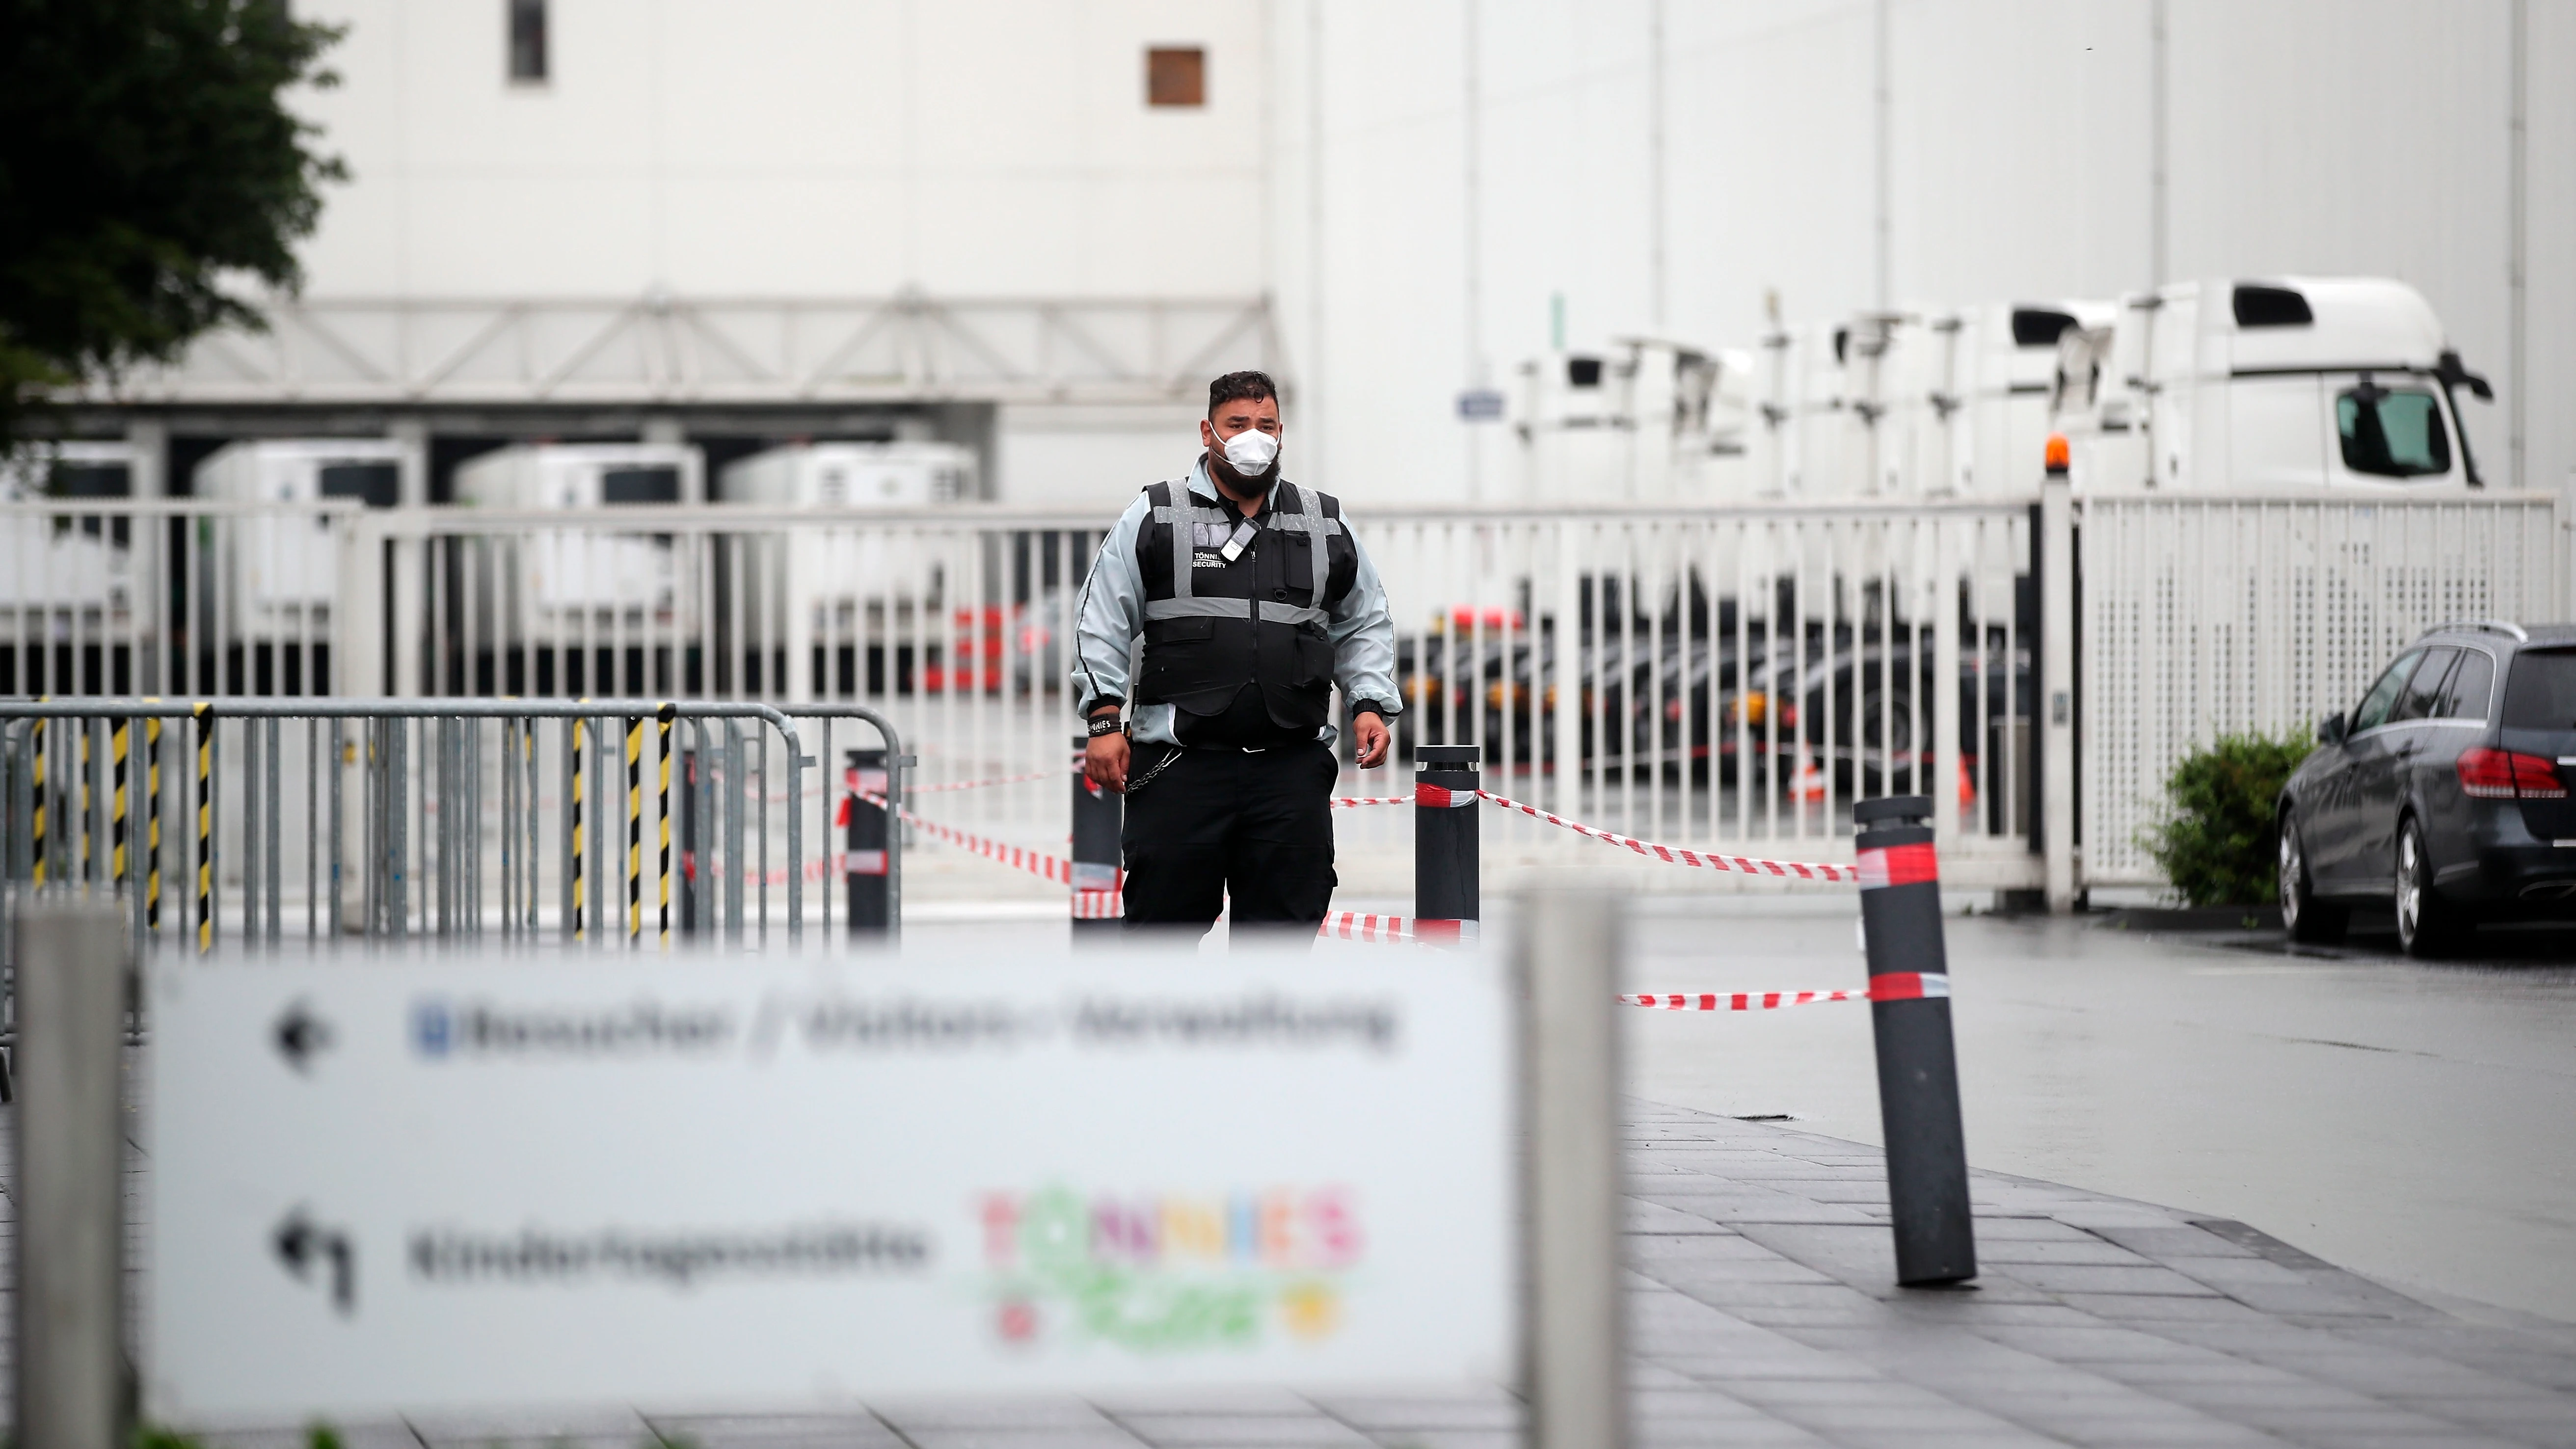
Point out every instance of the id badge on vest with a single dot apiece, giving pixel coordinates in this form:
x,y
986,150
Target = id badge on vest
x,y
1213,548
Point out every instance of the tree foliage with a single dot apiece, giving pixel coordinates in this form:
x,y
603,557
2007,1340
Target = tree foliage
x,y
145,159
2216,841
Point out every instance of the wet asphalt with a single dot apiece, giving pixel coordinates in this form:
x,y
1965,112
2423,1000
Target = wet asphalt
x,y
2412,1121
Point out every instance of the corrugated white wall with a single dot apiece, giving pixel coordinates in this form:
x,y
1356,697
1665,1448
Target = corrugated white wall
x,y
2314,136
793,148
980,147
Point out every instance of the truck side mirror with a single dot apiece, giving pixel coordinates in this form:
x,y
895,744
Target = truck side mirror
x,y
2330,730
2451,372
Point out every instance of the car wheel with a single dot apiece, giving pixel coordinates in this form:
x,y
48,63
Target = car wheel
x,y
2427,925
2306,918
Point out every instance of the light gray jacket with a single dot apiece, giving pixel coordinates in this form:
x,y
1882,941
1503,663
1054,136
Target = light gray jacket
x,y
1111,616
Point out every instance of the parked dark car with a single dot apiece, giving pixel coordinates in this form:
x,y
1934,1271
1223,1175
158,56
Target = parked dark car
x,y
2443,794
1666,693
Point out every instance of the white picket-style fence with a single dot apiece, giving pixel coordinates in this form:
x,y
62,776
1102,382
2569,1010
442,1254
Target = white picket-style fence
x,y
2203,616
1718,678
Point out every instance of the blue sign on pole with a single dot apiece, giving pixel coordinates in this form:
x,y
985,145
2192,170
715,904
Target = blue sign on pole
x,y
1480,405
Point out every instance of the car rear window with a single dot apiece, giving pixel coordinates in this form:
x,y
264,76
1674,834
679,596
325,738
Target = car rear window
x,y
2540,690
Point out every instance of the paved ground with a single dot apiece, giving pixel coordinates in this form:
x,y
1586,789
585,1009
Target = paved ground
x,y
2416,1122
1762,1314
2413,1121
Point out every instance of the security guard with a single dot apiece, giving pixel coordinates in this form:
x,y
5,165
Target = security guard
x,y
1254,600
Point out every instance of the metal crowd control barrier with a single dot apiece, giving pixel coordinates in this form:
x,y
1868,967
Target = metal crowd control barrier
x,y
420,816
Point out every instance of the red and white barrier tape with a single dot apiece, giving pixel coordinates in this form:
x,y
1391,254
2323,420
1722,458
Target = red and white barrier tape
x,y
1110,905
1370,926
1344,802
1676,855
915,789
1035,862
1893,986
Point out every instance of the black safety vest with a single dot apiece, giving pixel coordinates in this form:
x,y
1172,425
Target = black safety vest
x,y
1231,601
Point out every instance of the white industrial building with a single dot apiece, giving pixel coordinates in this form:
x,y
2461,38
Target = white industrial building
x,y
1033,228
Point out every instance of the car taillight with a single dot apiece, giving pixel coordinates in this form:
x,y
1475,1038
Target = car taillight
x,y
2504,775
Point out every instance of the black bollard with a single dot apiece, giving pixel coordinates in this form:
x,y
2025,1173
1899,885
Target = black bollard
x,y
1918,1065
1446,863
866,841
1097,816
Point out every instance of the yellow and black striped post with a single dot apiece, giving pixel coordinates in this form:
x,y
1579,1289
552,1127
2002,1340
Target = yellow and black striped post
x,y
662,719
580,856
88,857
39,821
635,832
205,827
152,822
120,740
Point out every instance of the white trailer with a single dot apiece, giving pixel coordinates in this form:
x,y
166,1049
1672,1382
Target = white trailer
x,y
65,578
851,475
1651,420
2337,382
276,578
843,595
608,584
1904,405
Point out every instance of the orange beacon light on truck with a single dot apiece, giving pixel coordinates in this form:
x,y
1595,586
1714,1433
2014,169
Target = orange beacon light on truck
x,y
2057,452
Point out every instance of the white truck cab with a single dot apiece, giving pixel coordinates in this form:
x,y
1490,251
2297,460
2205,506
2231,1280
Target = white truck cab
x,y
2296,382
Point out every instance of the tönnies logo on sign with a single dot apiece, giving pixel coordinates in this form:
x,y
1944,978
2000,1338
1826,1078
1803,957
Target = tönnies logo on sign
x,y
441,1028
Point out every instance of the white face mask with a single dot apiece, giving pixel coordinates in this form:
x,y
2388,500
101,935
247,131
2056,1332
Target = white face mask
x,y
1251,452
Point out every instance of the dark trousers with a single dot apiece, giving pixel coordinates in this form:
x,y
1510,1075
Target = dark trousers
x,y
1220,822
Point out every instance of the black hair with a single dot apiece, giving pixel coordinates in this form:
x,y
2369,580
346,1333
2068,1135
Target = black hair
x,y
1240,387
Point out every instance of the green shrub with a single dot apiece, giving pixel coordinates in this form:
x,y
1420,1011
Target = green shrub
x,y
2216,842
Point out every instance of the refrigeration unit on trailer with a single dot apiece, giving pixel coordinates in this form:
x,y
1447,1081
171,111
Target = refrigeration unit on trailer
x,y
2299,382
609,583
1650,420
1990,410
840,589
66,579
1892,405
851,475
276,575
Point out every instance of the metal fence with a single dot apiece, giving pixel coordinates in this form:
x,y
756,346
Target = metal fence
x,y
2202,616
1714,678
615,822
174,597
1726,678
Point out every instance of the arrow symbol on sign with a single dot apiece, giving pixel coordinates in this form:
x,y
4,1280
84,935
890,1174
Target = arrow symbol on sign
x,y
301,1034
301,1243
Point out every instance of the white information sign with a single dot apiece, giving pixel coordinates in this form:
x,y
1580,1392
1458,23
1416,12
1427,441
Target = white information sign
x,y
533,1182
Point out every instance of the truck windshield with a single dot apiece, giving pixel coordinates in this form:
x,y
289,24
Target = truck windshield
x,y
2392,434
2540,693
